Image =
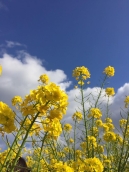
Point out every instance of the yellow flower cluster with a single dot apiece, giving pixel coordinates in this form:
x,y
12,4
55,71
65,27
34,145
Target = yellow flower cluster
x,y
54,113
7,117
0,69
81,71
49,102
59,167
109,71
53,127
122,122
67,127
126,101
16,100
77,116
92,141
92,165
95,112
43,98
44,79
110,91
109,136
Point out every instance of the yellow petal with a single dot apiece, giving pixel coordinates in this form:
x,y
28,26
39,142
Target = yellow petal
x,y
0,69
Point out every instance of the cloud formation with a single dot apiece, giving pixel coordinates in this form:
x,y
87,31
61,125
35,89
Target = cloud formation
x,y
20,75
11,44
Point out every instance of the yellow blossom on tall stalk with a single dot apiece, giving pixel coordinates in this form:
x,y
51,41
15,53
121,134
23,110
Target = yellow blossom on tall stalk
x,y
7,117
122,122
71,140
77,116
60,166
0,69
109,71
92,141
80,82
92,165
95,112
110,91
44,79
67,127
53,127
109,136
105,127
99,122
54,113
126,101
99,149
43,98
16,101
108,120
81,71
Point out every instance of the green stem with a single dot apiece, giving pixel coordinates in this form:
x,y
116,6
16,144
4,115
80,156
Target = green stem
x,y
38,168
13,145
75,140
23,142
85,121
102,85
119,166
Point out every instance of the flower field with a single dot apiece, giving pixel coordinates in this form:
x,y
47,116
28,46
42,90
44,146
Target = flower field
x,y
101,148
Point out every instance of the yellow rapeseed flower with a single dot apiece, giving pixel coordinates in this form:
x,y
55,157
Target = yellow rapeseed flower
x,y
109,136
53,127
77,116
93,164
110,91
44,79
81,71
109,71
99,122
109,120
67,127
60,166
7,117
92,141
0,69
126,101
95,112
54,113
71,140
80,82
122,122
105,127
16,101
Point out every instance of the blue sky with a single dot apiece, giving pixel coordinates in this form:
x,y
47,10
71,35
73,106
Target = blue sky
x,y
70,33
55,36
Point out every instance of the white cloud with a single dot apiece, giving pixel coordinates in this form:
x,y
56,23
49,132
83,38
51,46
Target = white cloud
x,y
11,44
20,74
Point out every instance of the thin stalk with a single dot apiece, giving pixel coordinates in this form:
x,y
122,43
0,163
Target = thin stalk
x,y
119,166
85,121
38,168
13,144
75,140
23,142
102,85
